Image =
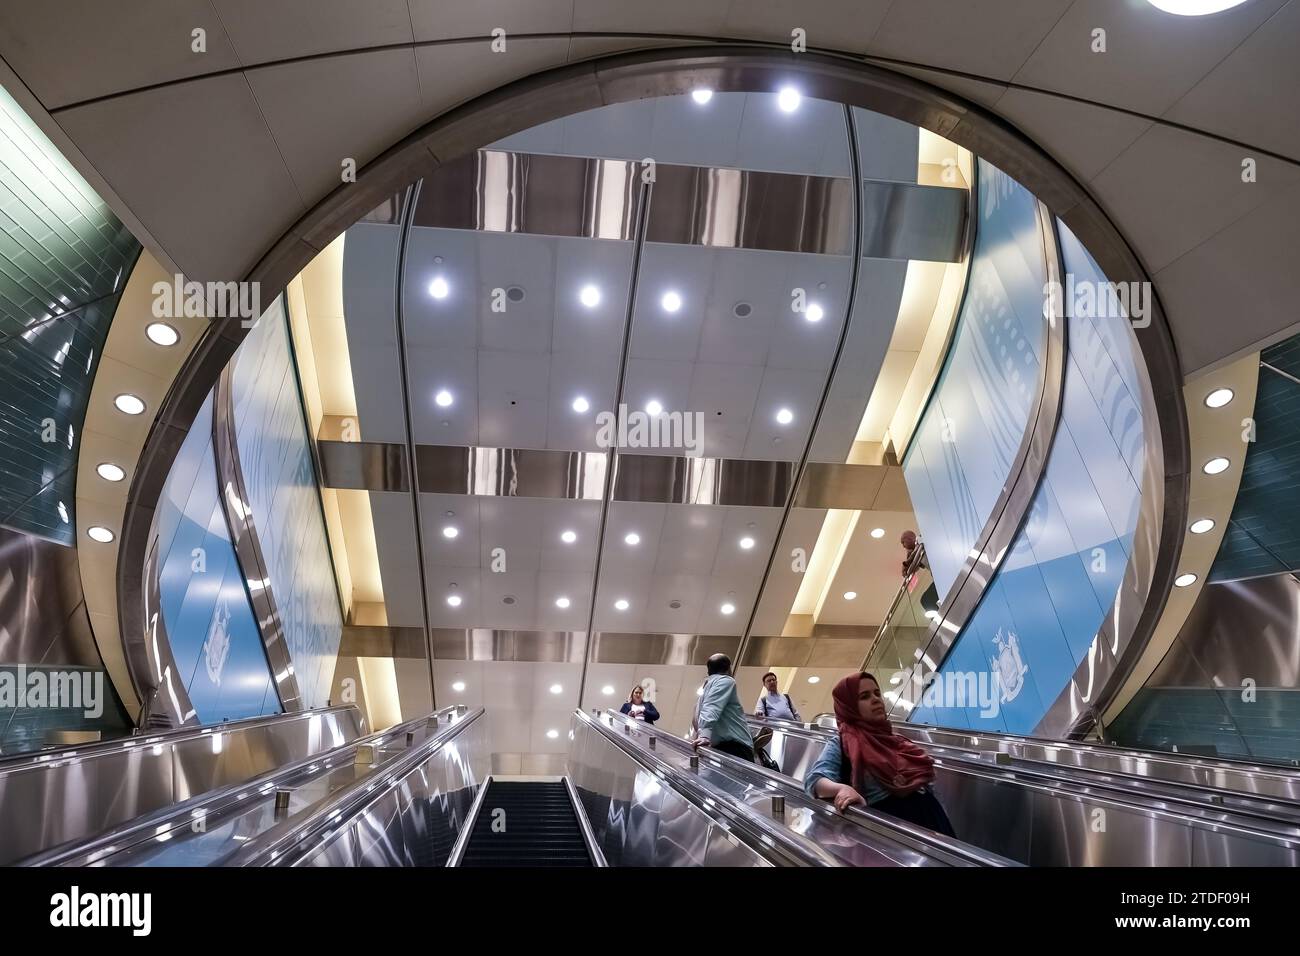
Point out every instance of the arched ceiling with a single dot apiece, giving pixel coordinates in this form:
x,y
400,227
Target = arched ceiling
x,y
212,157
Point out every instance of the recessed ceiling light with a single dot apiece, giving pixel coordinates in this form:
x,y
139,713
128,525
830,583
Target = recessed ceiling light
x,y
1184,580
450,531
453,600
607,689
814,679
438,288
621,604
109,471
877,532
129,404
589,296
100,534
561,602
788,99
1219,397
671,302
443,398
653,408
746,542
728,608
1202,525
1216,465
850,595
557,689
458,686
580,405
701,95
813,313
784,416
632,538
568,537
1194,8
552,733
160,333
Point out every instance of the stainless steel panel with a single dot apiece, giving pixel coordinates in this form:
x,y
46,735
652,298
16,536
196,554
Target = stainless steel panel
x,y
363,465
849,487
485,644
911,221
514,472
385,641
702,481
615,648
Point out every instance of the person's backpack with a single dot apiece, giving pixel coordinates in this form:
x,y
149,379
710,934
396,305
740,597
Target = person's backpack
x,y
788,702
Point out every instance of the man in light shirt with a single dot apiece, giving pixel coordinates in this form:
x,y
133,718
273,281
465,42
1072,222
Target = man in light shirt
x,y
773,705
719,719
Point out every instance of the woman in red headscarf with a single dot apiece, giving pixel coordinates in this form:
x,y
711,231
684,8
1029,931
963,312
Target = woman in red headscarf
x,y
868,764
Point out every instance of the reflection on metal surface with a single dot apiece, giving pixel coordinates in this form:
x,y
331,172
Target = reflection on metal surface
x,y
253,565
833,649
702,481
382,641
617,648
910,221
75,795
498,191
165,700
515,472
1023,478
485,644
363,465
847,487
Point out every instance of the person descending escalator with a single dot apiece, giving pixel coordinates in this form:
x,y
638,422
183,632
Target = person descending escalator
x,y
772,705
867,764
719,720
638,708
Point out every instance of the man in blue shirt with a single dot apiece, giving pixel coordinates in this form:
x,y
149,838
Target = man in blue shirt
x,y
773,705
719,719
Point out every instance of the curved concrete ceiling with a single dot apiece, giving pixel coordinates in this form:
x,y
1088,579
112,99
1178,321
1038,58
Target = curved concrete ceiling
x,y
212,157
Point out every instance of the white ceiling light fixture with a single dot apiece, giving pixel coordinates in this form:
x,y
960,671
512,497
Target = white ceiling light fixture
x,y
788,99
632,538
814,679
160,333
1202,525
552,733
1216,465
458,686
654,408
607,689
877,532
814,313
100,534
580,404
622,604
561,603
109,471
1194,8
439,288
589,296
129,404
557,689
850,595
450,531
670,302
568,537
453,600
1184,580
702,95
747,543
784,416
443,398
728,608
1219,397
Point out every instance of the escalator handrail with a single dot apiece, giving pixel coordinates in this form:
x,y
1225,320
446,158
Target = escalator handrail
x,y
1198,815
147,826
60,756
897,830
774,844
467,828
285,844
588,837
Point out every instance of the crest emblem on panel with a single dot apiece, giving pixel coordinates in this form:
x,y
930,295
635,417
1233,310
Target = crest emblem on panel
x,y
1008,667
217,647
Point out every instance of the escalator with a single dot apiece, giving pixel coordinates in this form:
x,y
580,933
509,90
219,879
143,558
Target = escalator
x,y
526,823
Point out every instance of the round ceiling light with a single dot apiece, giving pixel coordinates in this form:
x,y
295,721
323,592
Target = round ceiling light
x,y
160,333
1216,465
589,296
621,604
877,532
453,600
784,416
632,538
671,302
450,531
1202,525
1185,580
458,686
850,595
747,542
607,689
443,398
728,608
814,679
557,689
568,537
438,288
814,313
109,471
701,95
129,404
561,603
552,733
100,534
788,99
654,408
1194,8
1219,397
580,404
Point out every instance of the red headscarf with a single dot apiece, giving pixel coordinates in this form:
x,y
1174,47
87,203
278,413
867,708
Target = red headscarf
x,y
873,749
